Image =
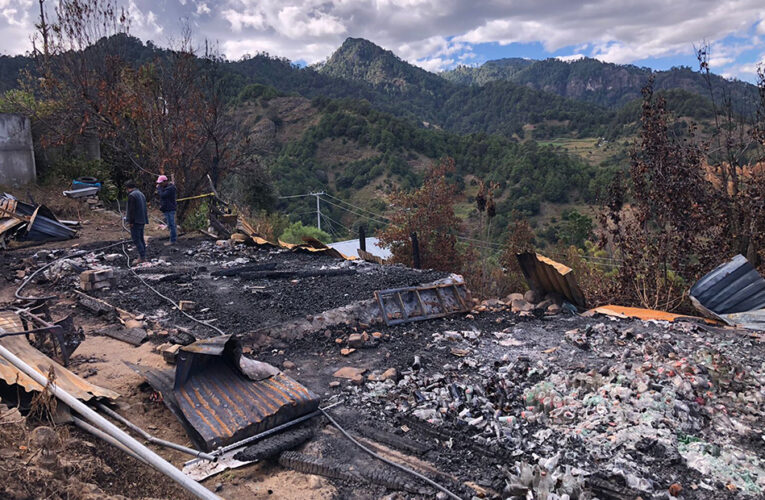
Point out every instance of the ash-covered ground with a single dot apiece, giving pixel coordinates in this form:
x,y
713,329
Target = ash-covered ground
x,y
491,404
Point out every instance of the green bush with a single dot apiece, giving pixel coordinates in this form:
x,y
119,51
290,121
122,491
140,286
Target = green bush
x,y
294,233
198,218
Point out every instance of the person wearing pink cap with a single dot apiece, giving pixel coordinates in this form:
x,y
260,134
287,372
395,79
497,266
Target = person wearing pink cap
x,y
167,205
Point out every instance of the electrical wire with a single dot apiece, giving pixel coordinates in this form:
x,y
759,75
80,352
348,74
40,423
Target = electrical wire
x,y
357,207
168,299
389,462
356,213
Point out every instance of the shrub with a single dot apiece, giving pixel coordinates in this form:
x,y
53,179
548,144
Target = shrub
x,y
295,232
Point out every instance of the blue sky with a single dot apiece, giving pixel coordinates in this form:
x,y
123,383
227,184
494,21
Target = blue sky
x,y
440,34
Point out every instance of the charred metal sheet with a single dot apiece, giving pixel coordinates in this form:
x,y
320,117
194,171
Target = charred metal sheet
x,y
547,276
218,404
403,305
40,223
43,226
18,345
733,292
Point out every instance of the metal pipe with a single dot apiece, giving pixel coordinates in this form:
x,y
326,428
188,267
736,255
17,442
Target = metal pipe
x,y
148,437
104,436
102,423
278,428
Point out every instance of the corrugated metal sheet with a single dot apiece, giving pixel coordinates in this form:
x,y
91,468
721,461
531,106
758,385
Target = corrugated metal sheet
x,y
310,245
644,314
44,228
18,345
546,276
733,292
42,224
219,405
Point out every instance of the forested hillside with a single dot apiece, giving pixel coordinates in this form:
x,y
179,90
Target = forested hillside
x,y
604,84
366,122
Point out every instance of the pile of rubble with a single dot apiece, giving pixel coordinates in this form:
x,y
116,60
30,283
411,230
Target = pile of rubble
x,y
644,401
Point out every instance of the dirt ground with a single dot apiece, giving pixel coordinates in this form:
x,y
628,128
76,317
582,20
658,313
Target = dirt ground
x,y
460,407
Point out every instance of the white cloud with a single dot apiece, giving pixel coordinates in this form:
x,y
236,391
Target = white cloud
x,y
571,58
202,9
143,24
435,33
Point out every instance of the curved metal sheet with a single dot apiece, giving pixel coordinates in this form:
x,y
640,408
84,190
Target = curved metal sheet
x,y
18,345
220,405
733,292
546,275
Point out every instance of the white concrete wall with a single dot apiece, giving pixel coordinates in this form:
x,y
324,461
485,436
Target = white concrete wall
x,y
17,159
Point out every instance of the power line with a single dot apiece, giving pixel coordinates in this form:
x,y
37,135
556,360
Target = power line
x,y
357,207
356,213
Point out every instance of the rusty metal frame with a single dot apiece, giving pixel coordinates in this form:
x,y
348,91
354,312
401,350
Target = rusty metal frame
x,y
437,308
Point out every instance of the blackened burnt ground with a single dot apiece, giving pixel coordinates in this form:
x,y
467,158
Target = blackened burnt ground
x,y
628,407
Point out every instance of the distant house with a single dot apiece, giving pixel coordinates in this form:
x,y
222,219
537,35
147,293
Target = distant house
x,y
350,248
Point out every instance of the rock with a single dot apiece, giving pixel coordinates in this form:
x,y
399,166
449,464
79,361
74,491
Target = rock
x,y
346,351
513,296
675,489
349,372
133,323
521,305
553,309
315,482
377,335
389,374
355,340
334,383
112,257
532,296
542,306
289,365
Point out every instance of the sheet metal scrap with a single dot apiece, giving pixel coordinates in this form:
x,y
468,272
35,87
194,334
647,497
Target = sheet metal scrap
x,y
733,292
29,222
19,345
646,314
403,305
217,404
310,245
547,276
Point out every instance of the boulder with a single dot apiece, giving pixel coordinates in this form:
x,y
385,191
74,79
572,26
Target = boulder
x,y
521,305
532,296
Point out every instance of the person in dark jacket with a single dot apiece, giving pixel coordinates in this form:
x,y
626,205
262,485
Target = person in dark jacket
x,y
167,205
137,218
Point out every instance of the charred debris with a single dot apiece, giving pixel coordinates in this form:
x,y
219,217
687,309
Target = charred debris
x,y
389,381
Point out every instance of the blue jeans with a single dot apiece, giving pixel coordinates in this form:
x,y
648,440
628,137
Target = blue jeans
x,y
170,218
136,233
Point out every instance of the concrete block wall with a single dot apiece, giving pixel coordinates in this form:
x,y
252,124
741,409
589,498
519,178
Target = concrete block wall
x,y
17,159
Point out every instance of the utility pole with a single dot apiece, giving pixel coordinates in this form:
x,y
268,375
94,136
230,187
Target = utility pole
x,y
318,208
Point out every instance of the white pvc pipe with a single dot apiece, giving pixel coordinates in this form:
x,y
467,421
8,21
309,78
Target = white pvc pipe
x,y
129,442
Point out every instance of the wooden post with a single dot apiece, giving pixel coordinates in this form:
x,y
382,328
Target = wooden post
x,y
415,251
362,238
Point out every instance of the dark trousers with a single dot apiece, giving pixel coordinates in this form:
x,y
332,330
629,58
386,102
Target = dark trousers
x,y
136,232
170,219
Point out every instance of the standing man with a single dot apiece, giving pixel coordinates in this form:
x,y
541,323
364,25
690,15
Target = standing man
x,y
167,205
137,218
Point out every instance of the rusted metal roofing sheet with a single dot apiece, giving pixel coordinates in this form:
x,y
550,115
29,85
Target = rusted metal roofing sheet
x,y
733,292
645,314
218,404
546,275
18,345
